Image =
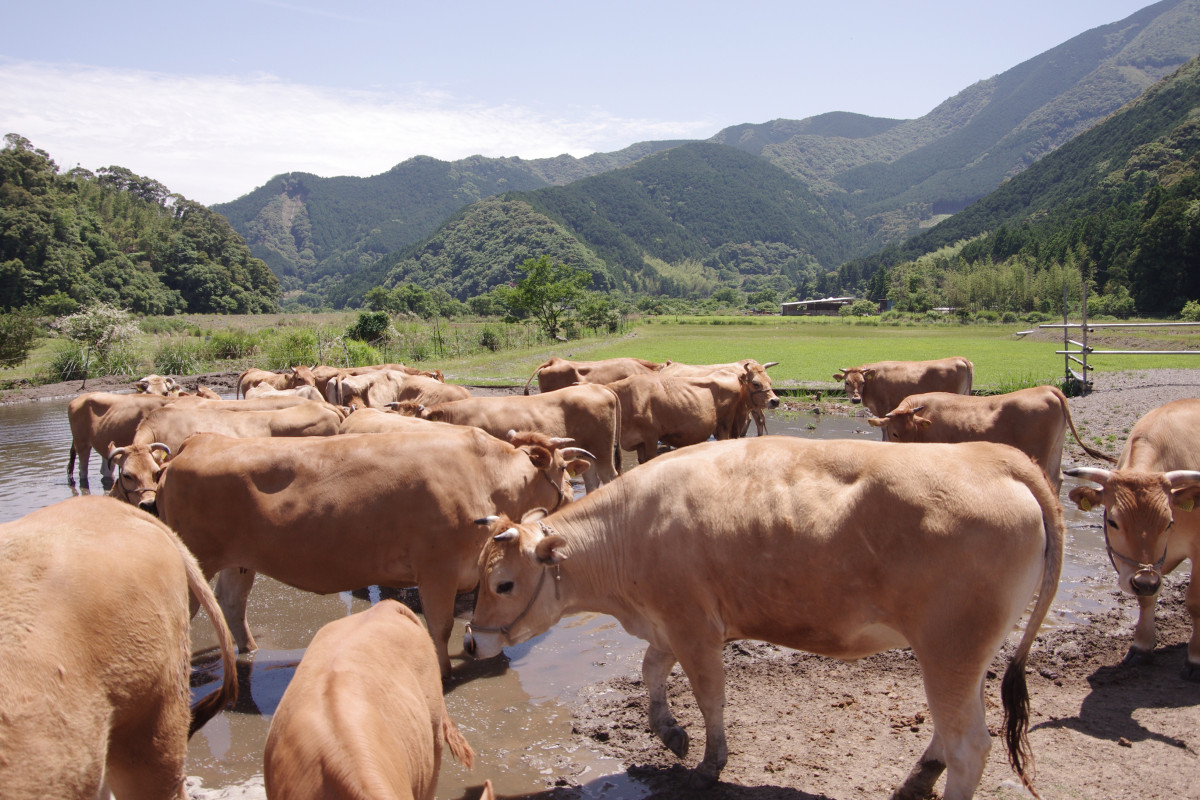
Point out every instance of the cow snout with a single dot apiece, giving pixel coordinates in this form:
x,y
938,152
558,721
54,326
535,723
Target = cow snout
x,y
773,402
149,505
855,400
1145,583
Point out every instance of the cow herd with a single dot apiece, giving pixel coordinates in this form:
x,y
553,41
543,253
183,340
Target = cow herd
x,y
333,479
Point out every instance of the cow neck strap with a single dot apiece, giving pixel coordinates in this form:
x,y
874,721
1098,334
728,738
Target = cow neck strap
x,y
537,590
562,495
1156,567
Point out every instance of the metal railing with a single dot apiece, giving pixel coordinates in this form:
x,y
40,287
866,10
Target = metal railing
x,y
1080,356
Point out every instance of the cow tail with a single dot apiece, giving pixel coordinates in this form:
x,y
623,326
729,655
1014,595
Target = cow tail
x,y
616,443
208,706
1066,409
71,461
1014,692
457,742
536,370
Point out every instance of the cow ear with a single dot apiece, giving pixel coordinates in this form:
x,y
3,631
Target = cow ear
x,y
540,456
839,376
549,551
922,422
533,515
1185,499
878,422
577,467
1085,497
868,374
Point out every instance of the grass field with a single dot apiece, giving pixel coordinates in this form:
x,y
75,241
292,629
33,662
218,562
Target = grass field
x,y
810,350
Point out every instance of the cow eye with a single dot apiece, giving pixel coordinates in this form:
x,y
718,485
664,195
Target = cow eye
x,y
505,588
1113,524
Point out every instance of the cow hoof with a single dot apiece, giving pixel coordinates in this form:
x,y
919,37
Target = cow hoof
x,y
676,740
1137,657
700,781
1191,672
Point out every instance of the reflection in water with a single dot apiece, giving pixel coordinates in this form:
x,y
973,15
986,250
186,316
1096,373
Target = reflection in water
x,y
514,709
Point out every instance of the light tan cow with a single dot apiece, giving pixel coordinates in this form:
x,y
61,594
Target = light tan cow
x,y
157,384
288,379
1151,524
164,430
374,420
762,395
364,716
844,548
1034,420
94,654
331,514
98,418
590,416
325,376
678,411
882,385
558,372
266,390
378,388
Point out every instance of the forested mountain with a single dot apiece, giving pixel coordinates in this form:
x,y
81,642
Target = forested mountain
x,y
117,237
308,228
1117,205
680,221
883,178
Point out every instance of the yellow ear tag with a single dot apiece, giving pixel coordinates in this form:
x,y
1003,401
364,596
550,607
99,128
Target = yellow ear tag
x,y
1187,504
571,473
1085,503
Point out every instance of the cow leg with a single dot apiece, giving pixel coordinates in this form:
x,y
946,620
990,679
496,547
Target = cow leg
x,y
760,422
643,452
961,740
1191,667
437,604
233,591
1141,651
701,662
656,666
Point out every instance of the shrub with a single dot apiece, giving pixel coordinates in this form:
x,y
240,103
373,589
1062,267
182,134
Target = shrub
x,y
1190,312
288,348
231,344
489,339
371,326
1009,316
18,331
180,358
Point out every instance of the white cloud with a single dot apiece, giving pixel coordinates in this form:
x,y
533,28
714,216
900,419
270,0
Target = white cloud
x,y
214,138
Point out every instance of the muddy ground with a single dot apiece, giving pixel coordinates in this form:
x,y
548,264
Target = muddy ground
x,y
802,727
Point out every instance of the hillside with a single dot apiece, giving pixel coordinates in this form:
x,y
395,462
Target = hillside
x,y
880,180
120,238
648,228
1116,203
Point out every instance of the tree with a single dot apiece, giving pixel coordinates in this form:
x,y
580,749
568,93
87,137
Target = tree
x,y
98,329
18,331
548,293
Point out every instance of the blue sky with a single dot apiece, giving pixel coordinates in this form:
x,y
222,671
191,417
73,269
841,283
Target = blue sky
x,y
214,98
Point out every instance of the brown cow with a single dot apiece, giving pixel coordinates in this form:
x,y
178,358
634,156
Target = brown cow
x,y
677,411
762,395
558,372
378,388
882,385
289,379
94,673
331,514
846,549
325,376
364,714
1151,524
374,420
164,430
588,415
157,384
1034,420
98,418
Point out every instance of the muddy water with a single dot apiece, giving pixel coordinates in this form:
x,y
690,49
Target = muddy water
x,y
513,710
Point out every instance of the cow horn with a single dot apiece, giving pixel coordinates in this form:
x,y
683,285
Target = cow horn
x,y
559,441
488,520
512,434
1094,474
506,536
571,452
114,454
770,364
1179,478
160,446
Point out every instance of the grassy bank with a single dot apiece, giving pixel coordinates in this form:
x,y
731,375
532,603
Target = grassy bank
x,y
809,349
